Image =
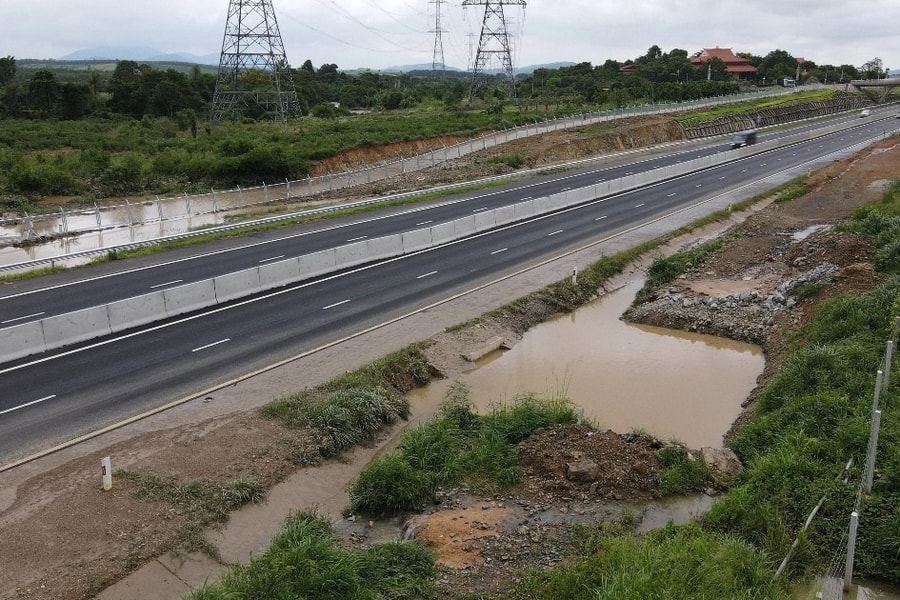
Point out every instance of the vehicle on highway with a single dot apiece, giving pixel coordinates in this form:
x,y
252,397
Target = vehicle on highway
x,y
864,113
743,138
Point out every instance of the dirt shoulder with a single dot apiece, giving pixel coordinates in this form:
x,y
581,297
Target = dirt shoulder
x,y
62,537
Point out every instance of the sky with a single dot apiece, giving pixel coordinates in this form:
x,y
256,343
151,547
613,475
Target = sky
x,y
377,34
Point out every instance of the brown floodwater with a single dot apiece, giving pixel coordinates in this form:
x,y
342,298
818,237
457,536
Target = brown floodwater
x,y
671,384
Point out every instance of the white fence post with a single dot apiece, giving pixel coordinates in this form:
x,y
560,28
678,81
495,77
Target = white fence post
x,y
106,470
851,549
873,450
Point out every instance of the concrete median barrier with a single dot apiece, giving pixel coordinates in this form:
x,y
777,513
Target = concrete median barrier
x,y
277,274
137,311
232,286
317,263
74,327
22,340
192,296
385,247
351,255
485,220
420,239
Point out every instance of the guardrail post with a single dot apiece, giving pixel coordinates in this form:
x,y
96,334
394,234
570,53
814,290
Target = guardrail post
x,y
851,550
106,471
215,200
873,450
97,213
240,195
159,209
265,193
287,188
65,222
187,203
888,359
130,214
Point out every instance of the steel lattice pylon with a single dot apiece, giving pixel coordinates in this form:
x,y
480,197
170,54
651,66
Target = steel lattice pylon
x,y
494,41
437,60
254,73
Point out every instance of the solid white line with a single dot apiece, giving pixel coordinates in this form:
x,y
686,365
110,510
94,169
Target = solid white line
x,y
554,232
423,223
427,275
356,239
335,304
600,218
265,260
20,318
499,251
159,285
201,348
640,205
9,410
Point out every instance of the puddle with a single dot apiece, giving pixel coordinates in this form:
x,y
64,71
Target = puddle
x,y
671,384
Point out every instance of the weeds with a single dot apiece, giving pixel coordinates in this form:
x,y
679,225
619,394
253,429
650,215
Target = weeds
x,y
306,561
457,445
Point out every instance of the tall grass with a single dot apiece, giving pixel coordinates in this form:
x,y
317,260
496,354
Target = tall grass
x,y
306,561
457,445
682,562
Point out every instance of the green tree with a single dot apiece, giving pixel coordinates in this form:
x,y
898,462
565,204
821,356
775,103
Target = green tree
x,y
44,91
7,69
75,100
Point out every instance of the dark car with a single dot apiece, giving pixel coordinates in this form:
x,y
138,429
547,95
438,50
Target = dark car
x,y
743,138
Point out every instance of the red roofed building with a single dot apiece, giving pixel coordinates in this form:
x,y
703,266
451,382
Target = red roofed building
x,y
737,67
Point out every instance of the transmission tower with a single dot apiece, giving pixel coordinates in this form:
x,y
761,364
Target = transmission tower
x,y
494,42
437,61
254,73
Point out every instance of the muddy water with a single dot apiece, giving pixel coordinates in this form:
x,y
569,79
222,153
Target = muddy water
x,y
672,384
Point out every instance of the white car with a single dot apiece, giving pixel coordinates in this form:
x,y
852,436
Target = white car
x,y
864,113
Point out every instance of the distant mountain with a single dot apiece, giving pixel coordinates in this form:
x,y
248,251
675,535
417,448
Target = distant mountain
x,y
140,54
519,71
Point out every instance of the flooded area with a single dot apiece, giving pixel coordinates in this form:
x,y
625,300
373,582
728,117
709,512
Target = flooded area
x,y
671,384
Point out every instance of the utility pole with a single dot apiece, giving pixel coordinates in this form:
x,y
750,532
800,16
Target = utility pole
x,y
254,73
437,62
494,41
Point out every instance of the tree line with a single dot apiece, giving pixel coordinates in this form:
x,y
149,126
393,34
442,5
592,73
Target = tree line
x,y
137,90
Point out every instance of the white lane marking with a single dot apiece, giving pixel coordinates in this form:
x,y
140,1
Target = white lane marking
x,y
427,275
600,218
423,223
699,185
764,164
265,260
159,285
483,208
600,180
9,410
640,205
526,198
21,318
330,306
356,239
499,251
672,194
552,233
566,189
721,178
206,347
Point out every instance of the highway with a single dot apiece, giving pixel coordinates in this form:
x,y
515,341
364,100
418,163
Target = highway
x,y
29,300
61,394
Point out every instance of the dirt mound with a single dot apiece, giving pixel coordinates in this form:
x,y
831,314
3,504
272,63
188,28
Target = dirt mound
x,y
367,156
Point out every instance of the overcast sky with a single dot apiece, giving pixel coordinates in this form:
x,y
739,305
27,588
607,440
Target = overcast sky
x,y
382,33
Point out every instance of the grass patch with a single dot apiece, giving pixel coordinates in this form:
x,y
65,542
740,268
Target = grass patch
x,y
514,161
683,562
796,188
684,472
31,274
457,445
665,269
305,560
